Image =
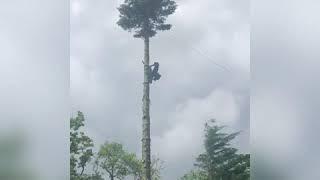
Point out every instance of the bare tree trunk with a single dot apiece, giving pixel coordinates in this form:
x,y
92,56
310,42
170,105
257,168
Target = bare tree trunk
x,y
146,150
82,170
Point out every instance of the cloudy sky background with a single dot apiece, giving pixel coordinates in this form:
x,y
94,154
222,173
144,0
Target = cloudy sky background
x,y
284,88
105,68
106,76
34,92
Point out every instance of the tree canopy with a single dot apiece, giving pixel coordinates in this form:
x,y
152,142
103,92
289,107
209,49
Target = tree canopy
x,y
218,151
220,161
145,17
117,162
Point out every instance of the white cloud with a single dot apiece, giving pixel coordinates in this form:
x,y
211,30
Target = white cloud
x,y
76,7
276,124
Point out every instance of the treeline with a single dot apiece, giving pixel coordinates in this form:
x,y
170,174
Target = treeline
x,y
112,161
220,161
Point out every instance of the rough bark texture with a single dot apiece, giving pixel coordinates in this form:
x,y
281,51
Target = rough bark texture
x,y
146,150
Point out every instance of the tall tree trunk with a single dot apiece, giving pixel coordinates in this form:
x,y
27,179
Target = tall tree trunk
x,y
146,150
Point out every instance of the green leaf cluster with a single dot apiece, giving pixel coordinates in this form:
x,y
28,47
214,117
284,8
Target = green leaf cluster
x,y
117,162
220,161
195,175
80,148
145,17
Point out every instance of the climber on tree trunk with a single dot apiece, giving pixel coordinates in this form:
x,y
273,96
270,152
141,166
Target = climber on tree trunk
x,y
154,74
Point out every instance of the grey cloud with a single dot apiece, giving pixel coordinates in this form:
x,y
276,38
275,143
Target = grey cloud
x,y
283,97
34,82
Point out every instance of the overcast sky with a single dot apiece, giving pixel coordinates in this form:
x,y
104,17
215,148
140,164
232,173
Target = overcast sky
x,y
106,81
34,92
107,74
284,87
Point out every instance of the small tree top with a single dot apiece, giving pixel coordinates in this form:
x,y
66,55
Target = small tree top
x,y
145,17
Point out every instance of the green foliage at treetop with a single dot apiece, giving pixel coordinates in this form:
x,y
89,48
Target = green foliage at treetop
x,y
145,17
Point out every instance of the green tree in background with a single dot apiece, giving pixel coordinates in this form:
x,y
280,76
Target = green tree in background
x,y
240,167
80,149
220,160
145,18
112,161
195,175
137,168
218,151
115,161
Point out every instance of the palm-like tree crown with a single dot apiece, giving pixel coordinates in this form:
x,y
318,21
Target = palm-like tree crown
x,y
145,17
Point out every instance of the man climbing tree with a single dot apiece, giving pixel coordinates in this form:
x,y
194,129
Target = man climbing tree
x,y
145,18
154,72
